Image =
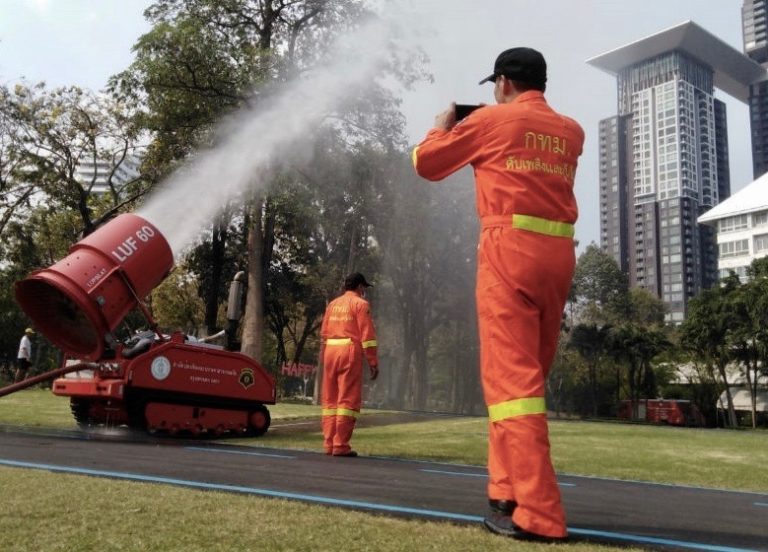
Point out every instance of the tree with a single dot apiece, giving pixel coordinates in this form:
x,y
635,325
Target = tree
x,y
592,343
48,136
33,239
636,346
214,262
20,255
706,330
188,72
644,308
599,290
426,234
177,304
749,335
205,58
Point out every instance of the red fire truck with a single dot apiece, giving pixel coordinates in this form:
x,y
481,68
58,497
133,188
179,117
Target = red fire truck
x,y
663,411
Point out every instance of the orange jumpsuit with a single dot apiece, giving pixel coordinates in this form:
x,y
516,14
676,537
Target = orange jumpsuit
x,y
524,156
347,334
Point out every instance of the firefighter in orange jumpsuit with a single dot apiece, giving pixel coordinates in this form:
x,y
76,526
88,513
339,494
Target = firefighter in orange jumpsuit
x,y
524,156
347,335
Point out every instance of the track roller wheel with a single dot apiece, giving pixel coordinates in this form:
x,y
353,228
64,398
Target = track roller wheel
x,y
137,418
81,410
258,421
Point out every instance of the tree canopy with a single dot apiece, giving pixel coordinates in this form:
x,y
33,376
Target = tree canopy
x,y
350,202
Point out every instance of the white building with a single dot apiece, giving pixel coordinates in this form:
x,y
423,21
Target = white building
x,y
99,173
741,222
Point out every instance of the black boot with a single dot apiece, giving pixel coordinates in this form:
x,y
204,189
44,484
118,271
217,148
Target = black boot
x,y
504,507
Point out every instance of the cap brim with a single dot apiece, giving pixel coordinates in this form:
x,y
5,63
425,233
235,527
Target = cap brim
x,y
489,78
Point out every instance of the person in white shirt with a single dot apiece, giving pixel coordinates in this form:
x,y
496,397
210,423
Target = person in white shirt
x,y
24,357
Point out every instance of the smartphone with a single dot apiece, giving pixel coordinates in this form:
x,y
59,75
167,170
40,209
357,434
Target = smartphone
x,y
462,110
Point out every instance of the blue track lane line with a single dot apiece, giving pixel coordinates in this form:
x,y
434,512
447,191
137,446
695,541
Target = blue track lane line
x,y
761,504
417,461
466,474
461,474
624,537
225,451
638,539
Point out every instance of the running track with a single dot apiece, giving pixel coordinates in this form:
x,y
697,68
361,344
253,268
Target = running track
x,y
652,516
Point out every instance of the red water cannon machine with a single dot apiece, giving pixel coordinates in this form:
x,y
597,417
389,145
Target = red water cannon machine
x,y
151,381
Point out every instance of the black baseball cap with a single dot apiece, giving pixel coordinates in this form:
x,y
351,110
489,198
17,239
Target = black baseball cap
x,y
355,279
520,64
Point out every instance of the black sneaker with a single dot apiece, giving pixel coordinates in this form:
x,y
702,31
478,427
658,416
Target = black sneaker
x,y
499,523
502,525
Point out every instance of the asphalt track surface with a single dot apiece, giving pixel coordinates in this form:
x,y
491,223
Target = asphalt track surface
x,y
632,513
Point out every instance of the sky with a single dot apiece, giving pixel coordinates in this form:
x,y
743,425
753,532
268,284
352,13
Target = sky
x,y
84,42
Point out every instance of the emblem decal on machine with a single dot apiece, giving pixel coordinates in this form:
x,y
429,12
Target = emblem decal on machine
x,y
161,368
246,378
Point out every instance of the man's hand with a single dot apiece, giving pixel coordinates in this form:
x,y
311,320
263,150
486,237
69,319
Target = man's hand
x,y
447,119
374,372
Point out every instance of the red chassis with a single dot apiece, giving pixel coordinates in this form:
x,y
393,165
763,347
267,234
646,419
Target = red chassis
x,y
173,385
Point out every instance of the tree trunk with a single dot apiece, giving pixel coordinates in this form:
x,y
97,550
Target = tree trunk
x,y
253,317
310,327
729,398
410,386
421,371
592,370
400,400
352,251
268,241
218,246
752,391
634,396
456,394
473,388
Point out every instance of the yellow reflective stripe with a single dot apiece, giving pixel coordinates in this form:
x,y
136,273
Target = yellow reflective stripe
x,y
414,155
543,226
338,341
517,407
346,412
340,412
371,343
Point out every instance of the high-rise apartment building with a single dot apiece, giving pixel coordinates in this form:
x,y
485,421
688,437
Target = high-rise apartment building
x,y
664,158
754,20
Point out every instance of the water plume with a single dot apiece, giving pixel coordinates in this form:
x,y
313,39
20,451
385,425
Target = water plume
x,y
255,139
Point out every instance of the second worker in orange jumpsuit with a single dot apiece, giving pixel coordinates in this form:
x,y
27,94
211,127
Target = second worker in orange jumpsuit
x,y
524,156
347,335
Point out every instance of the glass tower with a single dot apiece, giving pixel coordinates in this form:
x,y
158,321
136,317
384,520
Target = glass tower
x,y
754,19
663,162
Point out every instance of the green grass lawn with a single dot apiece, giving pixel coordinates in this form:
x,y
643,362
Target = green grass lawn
x,y
69,513
45,511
